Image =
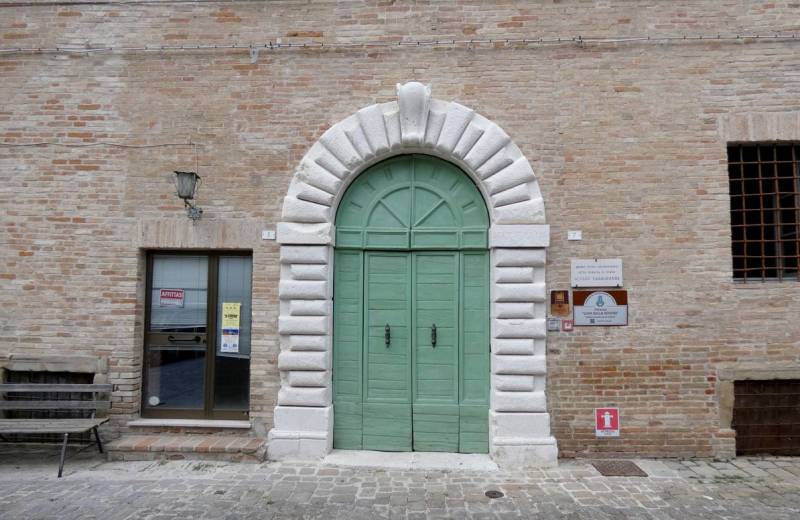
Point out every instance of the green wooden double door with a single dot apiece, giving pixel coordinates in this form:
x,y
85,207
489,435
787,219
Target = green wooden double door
x,y
411,351
411,310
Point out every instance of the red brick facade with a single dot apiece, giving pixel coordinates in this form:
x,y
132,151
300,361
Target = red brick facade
x,y
627,139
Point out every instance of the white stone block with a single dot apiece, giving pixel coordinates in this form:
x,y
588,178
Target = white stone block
x,y
321,155
528,212
516,236
316,449
301,211
517,174
355,134
524,347
318,272
392,122
303,419
290,445
513,310
518,401
303,360
512,196
305,254
490,143
302,290
514,274
309,307
499,161
313,325
283,448
468,140
337,143
511,383
511,455
309,193
304,396
308,378
434,127
304,342
371,121
414,100
519,292
456,121
518,328
520,365
520,425
307,233
315,175
519,257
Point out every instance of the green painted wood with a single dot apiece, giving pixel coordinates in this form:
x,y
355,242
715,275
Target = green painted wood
x,y
474,354
387,368
473,429
412,202
347,352
435,377
400,227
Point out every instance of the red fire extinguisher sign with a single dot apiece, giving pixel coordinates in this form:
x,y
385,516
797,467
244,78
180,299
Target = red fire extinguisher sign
x,y
606,422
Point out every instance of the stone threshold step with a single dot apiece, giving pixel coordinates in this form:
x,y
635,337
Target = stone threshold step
x,y
189,423
200,447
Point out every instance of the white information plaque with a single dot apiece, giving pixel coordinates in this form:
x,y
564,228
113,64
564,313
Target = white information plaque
x,y
596,272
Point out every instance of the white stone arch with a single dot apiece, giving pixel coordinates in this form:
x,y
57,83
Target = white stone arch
x,y
518,236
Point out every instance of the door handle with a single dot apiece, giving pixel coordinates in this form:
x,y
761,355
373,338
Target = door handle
x,y
172,339
387,335
433,335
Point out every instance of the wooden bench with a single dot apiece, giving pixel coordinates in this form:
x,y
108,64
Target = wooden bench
x,y
66,426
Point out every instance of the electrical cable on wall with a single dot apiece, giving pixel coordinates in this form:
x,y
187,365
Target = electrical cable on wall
x,y
451,43
102,143
195,146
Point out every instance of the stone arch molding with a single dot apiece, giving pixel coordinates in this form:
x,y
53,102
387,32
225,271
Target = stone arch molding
x,y
415,123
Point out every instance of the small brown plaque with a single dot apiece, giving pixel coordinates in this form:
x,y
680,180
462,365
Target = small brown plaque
x,y
559,303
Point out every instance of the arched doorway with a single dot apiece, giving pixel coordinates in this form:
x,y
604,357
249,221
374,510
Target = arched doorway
x,y
411,310
519,422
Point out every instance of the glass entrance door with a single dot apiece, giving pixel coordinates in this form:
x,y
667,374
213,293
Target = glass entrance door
x,y
197,339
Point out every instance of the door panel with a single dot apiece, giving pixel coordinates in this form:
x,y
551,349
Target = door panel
x,y
474,361
436,427
347,353
232,369
176,339
387,370
436,351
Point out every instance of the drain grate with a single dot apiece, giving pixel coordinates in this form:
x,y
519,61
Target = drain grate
x,y
494,494
618,468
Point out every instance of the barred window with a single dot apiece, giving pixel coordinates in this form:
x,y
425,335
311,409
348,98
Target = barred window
x,y
765,210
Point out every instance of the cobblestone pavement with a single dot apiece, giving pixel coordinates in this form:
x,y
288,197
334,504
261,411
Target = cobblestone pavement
x,y
94,489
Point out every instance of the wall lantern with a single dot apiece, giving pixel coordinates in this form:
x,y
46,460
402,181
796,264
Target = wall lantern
x,y
186,184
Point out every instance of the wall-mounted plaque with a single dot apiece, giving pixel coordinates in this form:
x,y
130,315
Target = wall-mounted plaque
x,y
596,272
600,308
559,303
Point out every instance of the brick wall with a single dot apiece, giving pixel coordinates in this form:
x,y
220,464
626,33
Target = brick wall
x,y
627,139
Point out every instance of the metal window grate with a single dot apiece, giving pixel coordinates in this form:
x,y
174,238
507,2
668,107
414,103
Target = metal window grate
x,y
765,210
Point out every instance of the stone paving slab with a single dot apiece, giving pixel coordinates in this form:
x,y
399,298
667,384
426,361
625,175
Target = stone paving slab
x,y
163,490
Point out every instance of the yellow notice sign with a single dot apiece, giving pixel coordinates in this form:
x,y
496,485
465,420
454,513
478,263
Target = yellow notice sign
x,y
230,315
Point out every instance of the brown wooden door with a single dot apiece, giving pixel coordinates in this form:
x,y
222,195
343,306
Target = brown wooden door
x,y
766,417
